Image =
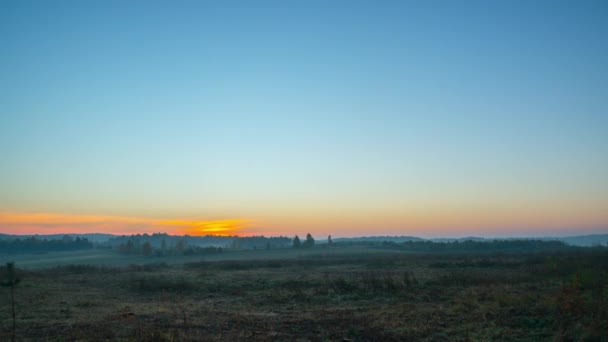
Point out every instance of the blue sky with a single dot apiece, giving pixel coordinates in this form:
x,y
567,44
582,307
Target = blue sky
x,y
358,117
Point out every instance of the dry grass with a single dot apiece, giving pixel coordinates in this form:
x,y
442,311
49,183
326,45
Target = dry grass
x,y
363,298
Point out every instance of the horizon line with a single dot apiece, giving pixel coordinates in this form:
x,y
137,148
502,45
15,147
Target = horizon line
x,y
333,237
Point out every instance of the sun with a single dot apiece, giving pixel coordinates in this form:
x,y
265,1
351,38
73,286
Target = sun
x,y
216,227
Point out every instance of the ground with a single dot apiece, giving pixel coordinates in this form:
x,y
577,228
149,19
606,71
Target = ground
x,y
322,294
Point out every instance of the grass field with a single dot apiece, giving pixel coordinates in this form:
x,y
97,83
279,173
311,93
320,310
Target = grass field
x,y
111,258
321,294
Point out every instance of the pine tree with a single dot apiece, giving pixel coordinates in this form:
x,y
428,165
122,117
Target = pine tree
x,y
309,241
296,242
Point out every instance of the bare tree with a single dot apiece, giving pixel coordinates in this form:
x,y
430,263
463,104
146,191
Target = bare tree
x,y
11,280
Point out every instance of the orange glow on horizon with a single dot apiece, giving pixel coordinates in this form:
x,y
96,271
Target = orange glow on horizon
x,y
356,223
217,227
57,223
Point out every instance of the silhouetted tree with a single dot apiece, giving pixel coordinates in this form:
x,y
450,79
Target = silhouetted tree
x,y
296,242
147,249
11,280
130,246
309,241
180,245
33,244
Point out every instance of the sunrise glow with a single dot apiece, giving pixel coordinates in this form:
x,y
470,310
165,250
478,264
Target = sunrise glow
x,y
412,223
55,223
217,227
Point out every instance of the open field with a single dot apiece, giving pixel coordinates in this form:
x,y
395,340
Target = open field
x,y
111,258
355,293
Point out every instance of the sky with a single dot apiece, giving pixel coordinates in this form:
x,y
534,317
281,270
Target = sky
x,y
350,118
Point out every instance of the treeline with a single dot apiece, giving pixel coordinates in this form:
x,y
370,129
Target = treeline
x,y
308,243
160,240
36,245
140,247
473,246
379,239
260,242
163,244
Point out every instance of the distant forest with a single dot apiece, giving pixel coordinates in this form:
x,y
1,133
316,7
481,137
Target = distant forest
x,y
37,245
159,240
160,244
163,244
478,246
